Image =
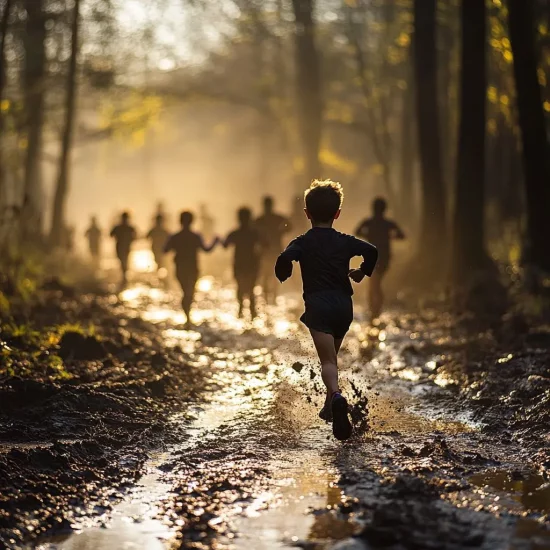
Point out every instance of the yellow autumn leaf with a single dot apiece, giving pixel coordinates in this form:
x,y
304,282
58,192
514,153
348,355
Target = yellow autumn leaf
x,y
404,39
333,160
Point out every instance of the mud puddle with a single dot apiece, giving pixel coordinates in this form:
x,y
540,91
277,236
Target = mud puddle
x,y
304,494
525,493
259,371
530,490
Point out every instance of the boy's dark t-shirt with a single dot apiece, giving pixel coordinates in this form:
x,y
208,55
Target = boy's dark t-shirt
x,y
158,237
186,244
324,255
379,231
124,236
246,241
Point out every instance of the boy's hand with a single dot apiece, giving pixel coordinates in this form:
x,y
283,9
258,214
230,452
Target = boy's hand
x,y
356,275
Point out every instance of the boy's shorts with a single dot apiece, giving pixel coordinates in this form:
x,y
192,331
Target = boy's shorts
x,y
329,311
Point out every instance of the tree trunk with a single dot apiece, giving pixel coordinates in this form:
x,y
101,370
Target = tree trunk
x,y
468,227
407,157
3,30
433,226
532,123
309,98
60,199
34,84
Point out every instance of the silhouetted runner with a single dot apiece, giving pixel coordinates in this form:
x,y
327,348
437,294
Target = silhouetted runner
x,y
324,255
124,235
271,227
186,244
246,241
93,235
158,235
379,231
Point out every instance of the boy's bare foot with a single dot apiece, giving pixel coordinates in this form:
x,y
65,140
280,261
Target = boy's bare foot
x,y
341,426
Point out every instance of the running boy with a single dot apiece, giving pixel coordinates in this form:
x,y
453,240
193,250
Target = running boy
x,y
124,235
324,255
186,244
246,263
379,230
93,234
158,235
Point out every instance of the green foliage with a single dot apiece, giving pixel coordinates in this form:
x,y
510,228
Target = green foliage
x,y
28,352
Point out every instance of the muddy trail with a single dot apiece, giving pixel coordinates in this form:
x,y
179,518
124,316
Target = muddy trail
x,y
209,437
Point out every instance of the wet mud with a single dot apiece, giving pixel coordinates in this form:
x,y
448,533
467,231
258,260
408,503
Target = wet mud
x,y
209,437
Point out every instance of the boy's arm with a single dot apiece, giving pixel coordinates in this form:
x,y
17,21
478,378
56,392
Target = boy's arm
x,y
369,253
397,232
229,240
283,266
207,248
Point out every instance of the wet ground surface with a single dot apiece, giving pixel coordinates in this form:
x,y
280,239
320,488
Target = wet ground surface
x,y
244,461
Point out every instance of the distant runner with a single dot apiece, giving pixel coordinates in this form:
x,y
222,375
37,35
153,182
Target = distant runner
x,y
158,236
124,235
186,244
93,235
246,241
271,228
379,231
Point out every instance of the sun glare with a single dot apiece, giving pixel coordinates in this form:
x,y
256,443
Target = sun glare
x,y
143,261
205,284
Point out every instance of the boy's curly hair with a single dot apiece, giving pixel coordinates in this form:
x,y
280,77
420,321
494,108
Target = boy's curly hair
x,y
323,200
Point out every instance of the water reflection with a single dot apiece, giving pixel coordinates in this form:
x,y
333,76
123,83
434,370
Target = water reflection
x,y
303,507
531,490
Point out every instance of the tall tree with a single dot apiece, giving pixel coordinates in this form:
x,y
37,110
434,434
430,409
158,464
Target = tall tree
x,y
34,84
4,31
308,82
433,226
408,149
536,164
58,215
468,227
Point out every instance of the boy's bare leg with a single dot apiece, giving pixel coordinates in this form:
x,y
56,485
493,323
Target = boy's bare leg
x,y
337,345
240,299
188,288
325,345
252,298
